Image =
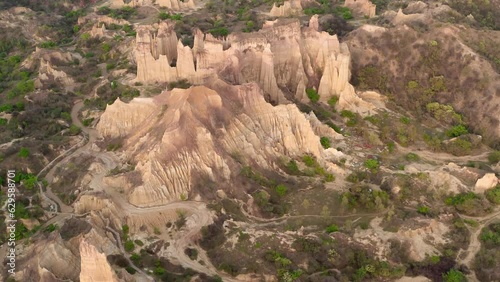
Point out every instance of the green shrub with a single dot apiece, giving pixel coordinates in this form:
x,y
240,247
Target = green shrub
x,y
110,66
130,270
457,130
490,235
106,47
412,84
494,157
281,189
314,11
460,198
459,147
312,94
129,246
74,130
309,161
347,114
24,152
352,117
48,44
87,121
344,12
51,228
372,164
423,210
329,177
454,276
332,228
85,36
325,142
127,28
163,16
219,31
176,17
3,121
135,258
29,181
333,101
405,120
493,195
334,127
444,113
292,167
159,271
412,157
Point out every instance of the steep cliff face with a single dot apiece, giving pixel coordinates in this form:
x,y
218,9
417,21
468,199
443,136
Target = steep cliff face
x,y
94,265
283,58
54,259
182,134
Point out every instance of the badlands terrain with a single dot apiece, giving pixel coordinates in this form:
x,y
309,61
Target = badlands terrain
x,y
235,140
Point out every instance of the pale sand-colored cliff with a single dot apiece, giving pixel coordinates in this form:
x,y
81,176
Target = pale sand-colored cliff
x,y
182,134
283,58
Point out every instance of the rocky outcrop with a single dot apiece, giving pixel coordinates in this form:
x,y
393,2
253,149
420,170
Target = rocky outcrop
x,y
401,18
94,265
98,30
283,58
53,256
416,8
47,74
182,134
287,9
361,8
488,181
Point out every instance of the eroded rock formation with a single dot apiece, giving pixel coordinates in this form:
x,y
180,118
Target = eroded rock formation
x,y
287,9
182,134
283,58
488,181
361,8
94,265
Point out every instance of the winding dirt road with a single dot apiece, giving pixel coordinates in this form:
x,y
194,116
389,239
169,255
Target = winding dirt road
x,y
443,157
200,216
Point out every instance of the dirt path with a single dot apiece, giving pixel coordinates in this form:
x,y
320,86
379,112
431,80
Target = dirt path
x,y
475,243
200,215
90,137
443,157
